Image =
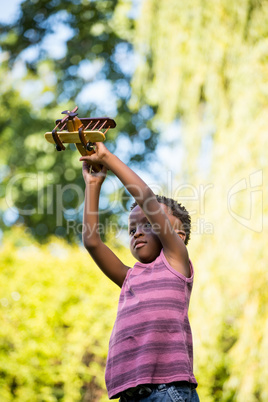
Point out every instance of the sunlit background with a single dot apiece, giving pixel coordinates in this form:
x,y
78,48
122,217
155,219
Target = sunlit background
x,y
187,84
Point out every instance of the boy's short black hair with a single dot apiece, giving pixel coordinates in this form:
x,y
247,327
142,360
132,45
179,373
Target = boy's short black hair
x,y
177,210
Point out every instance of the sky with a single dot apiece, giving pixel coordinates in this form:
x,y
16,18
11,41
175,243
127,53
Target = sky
x,y
9,9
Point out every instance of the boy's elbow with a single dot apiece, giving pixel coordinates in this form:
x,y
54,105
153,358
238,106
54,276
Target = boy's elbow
x,y
91,243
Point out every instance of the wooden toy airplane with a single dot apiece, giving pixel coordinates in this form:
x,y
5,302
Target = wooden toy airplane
x,y
82,132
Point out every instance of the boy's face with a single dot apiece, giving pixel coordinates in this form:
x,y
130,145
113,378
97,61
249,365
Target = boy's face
x,y
145,245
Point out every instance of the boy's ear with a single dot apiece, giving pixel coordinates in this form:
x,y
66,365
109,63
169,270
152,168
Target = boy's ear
x,y
182,234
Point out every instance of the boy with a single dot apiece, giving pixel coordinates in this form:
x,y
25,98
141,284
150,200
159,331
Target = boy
x,y
150,352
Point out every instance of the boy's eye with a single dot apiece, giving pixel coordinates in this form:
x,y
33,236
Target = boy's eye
x,y
132,231
147,226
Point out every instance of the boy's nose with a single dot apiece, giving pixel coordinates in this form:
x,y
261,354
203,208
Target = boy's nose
x,y
138,232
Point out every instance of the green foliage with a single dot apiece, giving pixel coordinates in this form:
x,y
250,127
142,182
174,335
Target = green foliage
x,y
229,317
57,310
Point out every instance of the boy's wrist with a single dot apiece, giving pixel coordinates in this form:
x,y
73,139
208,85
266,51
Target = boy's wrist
x,y
93,185
110,161
106,159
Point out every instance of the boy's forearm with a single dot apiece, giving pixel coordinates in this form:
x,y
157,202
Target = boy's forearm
x,y
91,215
132,182
107,261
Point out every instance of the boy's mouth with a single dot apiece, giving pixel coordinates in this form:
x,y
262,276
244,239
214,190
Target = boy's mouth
x,y
139,244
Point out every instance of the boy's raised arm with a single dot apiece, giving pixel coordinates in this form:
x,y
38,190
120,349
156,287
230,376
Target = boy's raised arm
x,y
107,261
174,248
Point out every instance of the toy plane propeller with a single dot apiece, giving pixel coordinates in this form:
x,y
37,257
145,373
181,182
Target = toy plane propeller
x,y
82,132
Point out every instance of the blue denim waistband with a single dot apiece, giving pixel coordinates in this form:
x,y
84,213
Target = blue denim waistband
x,y
141,391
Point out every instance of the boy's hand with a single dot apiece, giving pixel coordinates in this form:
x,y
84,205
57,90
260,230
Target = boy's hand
x,y
91,177
98,157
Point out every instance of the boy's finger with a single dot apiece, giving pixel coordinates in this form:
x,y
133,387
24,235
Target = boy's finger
x,y
85,158
85,166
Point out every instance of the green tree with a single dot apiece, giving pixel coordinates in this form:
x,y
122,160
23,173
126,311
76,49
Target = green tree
x,y
204,63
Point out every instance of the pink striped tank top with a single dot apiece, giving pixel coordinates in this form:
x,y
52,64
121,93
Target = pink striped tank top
x,y
151,342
